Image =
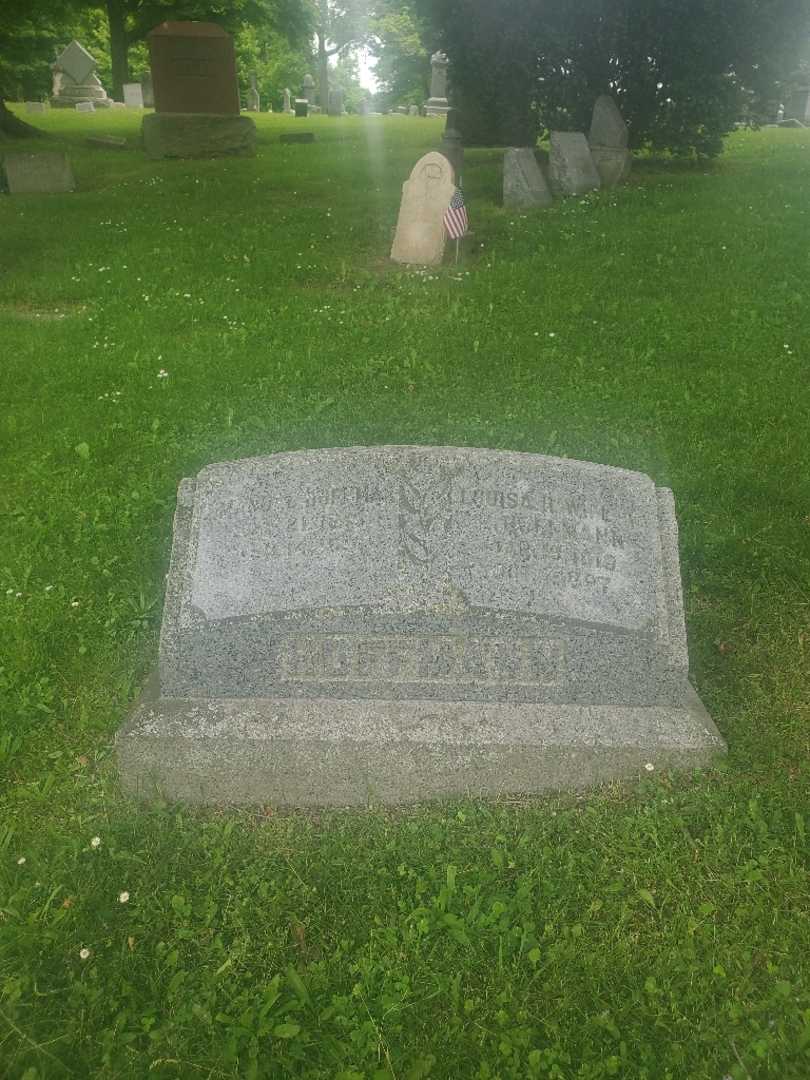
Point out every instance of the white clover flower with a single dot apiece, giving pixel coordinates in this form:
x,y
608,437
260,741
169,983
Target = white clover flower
x,y
123,897
74,603
95,842
48,588
649,766
84,954
21,861
552,334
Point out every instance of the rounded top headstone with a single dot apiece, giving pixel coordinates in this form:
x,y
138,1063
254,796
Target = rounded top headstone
x,y
607,125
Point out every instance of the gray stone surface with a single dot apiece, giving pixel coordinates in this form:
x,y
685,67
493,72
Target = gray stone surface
x,y
437,104
148,90
301,107
612,163
309,89
420,235
75,81
254,101
47,173
608,142
336,102
286,105
193,135
107,142
84,106
571,168
133,95
397,623
524,185
607,124
35,106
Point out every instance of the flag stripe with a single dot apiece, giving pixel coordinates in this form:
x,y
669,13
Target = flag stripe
x,y
455,216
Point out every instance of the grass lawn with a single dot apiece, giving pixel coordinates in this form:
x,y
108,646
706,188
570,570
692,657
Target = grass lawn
x,y
168,315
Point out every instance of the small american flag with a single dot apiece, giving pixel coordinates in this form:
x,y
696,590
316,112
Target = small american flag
x,y
455,216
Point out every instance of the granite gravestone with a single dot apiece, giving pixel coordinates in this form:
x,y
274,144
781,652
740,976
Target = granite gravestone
x,y
35,106
133,95
287,108
336,102
46,173
196,94
437,104
148,90
524,185
420,236
608,140
571,167
254,101
85,106
396,623
75,80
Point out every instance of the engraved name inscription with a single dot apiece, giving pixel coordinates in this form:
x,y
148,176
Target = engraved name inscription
x,y
433,658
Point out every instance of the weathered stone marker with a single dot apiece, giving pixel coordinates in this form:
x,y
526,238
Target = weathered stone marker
x,y
571,167
196,94
420,236
524,185
47,173
608,140
396,623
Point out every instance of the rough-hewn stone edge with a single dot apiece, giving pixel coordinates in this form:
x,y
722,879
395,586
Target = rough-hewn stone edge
x,y
352,753
671,575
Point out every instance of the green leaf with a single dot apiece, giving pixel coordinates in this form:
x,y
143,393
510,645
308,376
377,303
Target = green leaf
x,y
287,1030
83,450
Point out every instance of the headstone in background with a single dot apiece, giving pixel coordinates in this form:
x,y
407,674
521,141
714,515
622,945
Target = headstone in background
x,y
790,124
74,79
336,102
571,167
254,102
35,107
297,137
287,108
363,108
608,140
420,235
451,145
117,105
437,104
524,186
797,106
397,623
413,110
133,95
196,94
47,173
301,107
148,90
308,91
84,106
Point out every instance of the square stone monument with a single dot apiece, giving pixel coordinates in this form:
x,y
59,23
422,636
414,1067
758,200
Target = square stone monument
x,y
437,104
608,140
196,94
75,80
395,623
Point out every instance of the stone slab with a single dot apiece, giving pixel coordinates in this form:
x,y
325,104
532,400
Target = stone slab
x,y
297,137
35,106
571,167
612,164
133,95
107,142
301,108
396,623
193,68
524,186
316,753
420,234
195,135
607,124
47,173
76,62
85,106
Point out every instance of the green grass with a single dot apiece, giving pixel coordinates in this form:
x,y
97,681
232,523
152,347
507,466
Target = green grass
x,y
658,931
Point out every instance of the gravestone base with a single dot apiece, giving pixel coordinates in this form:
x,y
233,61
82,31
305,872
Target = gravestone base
x,y
437,107
327,752
612,163
198,135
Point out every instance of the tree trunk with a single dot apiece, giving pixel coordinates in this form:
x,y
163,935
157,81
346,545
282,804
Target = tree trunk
x,y
13,126
118,48
323,56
